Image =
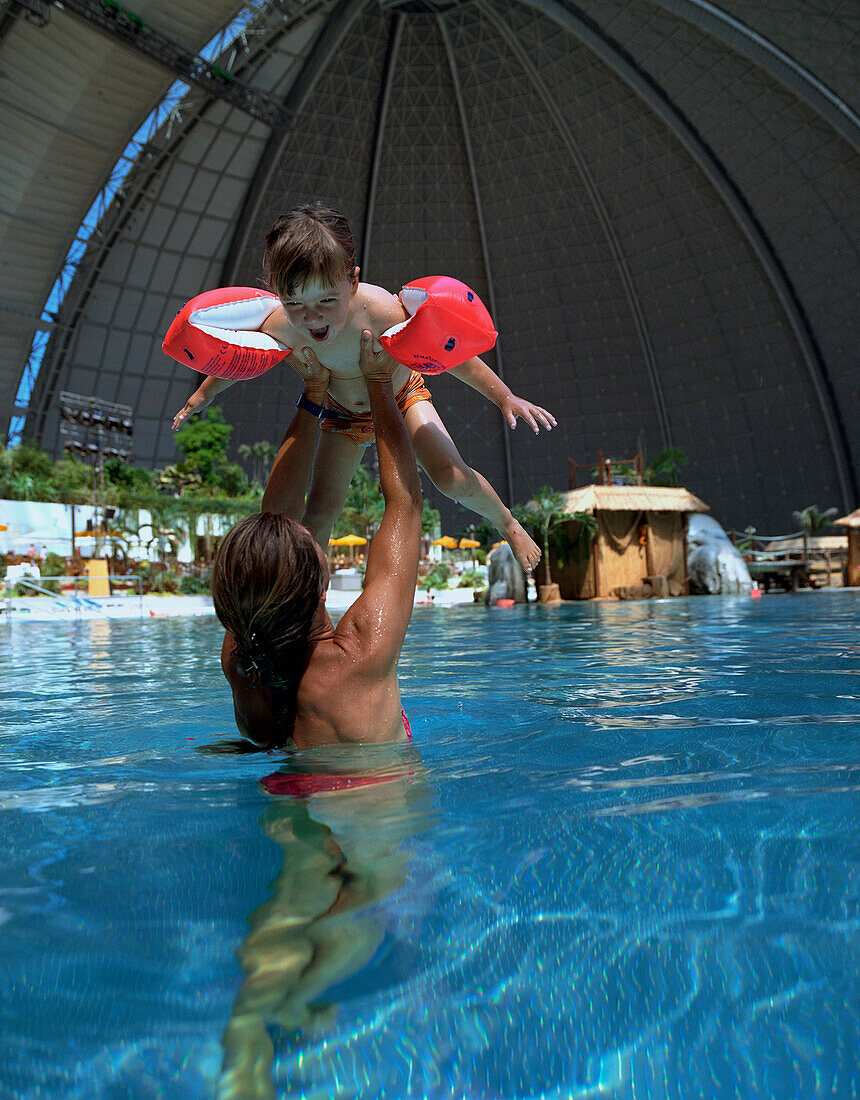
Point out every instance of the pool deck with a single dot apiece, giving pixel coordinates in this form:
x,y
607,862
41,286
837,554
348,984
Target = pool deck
x,y
43,609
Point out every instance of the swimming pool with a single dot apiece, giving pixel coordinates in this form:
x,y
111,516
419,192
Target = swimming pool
x,y
620,860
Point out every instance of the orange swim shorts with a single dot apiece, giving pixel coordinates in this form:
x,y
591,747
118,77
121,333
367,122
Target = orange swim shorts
x,y
358,426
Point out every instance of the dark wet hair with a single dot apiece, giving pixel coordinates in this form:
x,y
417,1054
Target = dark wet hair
x,y
310,242
267,581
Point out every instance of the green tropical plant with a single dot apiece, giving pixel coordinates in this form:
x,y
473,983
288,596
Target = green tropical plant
x,y
363,508
22,485
73,481
483,532
190,585
665,467
813,521
165,583
437,578
545,513
178,480
261,454
472,578
203,443
431,520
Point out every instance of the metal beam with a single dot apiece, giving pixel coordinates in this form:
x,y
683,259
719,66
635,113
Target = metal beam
x,y
570,18
336,27
482,232
777,63
551,106
131,30
381,118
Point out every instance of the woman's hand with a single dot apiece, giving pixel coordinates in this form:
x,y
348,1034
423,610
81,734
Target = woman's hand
x,y
313,373
513,407
376,366
196,403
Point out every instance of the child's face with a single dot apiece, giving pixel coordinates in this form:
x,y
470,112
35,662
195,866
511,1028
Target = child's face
x,y
320,311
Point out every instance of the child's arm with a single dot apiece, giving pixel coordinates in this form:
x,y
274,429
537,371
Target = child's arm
x,y
476,373
204,395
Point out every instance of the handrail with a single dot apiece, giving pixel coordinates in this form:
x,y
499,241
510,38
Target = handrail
x,y
27,583
746,536
111,577
76,601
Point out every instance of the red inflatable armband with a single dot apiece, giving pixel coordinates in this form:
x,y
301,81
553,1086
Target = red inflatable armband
x,y
448,324
217,333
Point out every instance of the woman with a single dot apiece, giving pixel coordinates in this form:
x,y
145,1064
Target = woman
x,y
295,677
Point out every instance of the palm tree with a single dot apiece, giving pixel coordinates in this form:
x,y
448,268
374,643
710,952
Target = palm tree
x,y
544,513
812,521
23,485
177,480
665,467
262,453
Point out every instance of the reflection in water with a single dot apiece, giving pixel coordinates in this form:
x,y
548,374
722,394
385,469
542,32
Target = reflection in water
x,y
343,854
642,879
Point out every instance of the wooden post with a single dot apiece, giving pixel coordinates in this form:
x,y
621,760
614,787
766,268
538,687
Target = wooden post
x,y
685,522
853,557
596,554
649,563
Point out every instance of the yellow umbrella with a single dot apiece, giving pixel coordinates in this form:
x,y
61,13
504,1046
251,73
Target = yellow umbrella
x,y
3,527
349,540
496,545
445,541
469,544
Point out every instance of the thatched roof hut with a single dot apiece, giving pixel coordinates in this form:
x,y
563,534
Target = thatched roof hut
x,y
632,498
852,522
641,533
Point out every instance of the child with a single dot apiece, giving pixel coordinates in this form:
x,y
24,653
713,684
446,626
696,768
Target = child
x,y
310,260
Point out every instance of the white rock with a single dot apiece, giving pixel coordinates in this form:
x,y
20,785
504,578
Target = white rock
x,y
713,564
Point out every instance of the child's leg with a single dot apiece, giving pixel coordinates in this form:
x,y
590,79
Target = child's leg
x,y
335,462
438,456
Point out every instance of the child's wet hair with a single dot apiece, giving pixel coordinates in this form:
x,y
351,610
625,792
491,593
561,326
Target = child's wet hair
x,y
309,242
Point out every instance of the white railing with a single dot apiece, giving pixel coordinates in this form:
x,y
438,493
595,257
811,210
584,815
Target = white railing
x,y
75,602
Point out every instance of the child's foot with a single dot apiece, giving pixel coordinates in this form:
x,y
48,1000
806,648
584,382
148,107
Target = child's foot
x,y
526,550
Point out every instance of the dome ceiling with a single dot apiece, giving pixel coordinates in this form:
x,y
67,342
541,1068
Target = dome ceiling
x,y
655,200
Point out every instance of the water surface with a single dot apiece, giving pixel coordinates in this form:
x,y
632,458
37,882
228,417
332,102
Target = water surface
x,y
619,860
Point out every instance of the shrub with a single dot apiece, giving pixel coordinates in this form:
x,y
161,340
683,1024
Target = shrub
x,y
472,578
165,583
437,578
193,586
54,565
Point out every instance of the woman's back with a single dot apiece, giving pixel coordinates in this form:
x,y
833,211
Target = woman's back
x,y
296,677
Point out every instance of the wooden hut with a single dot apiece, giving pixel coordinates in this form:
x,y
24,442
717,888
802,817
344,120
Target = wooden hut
x,y
641,533
852,572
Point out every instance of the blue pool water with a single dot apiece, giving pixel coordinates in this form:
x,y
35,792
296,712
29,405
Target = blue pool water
x,y
618,861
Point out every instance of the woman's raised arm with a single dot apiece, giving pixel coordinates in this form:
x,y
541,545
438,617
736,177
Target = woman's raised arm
x,y
383,610
285,489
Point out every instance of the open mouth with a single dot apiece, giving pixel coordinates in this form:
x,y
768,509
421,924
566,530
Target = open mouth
x,y
319,334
